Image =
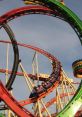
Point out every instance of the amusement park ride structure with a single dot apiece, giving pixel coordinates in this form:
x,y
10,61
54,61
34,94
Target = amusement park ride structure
x,y
67,100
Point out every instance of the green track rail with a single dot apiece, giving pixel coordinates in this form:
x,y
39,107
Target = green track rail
x,y
68,15
73,106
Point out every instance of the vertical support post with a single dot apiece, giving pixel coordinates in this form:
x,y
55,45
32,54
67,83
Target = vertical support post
x,y
63,88
37,71
35,66
7,62
39,109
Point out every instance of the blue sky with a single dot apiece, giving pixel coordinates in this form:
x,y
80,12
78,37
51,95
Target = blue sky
x,y
51,34
48,33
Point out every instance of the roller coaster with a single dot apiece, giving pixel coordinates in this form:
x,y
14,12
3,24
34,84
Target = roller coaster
x,y
49,95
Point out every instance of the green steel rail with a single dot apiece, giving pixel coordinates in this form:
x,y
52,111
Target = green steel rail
x,y
67,14
76,23
72,107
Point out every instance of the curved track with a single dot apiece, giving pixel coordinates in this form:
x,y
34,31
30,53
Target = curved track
x,y
40,91
23,103
53,81
28,101
76,24
64,12
12,103
16,56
